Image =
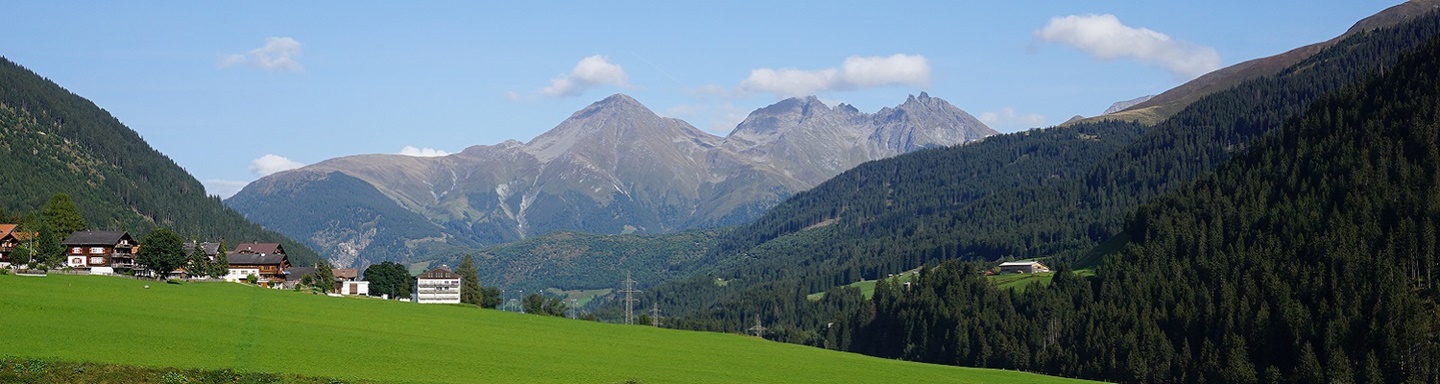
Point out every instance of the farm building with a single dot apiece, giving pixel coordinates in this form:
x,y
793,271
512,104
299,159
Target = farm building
x,y
101,252
1023,267
348,280
437,286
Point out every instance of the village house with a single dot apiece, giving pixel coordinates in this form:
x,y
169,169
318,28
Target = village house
x,y
437,286
1023,267
101,252
211,249
267,261
348,282
9,240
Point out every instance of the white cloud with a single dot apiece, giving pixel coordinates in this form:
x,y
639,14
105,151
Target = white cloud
x,y
269,164
854,73
223,188
1006,119
278,54
1105,38
589,72
422,152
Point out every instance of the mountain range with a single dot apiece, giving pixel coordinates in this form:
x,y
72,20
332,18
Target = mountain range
x,y
612,167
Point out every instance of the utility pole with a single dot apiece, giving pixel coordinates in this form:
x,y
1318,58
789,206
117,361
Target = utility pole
x,y
572,309
629,300
758,330
655,315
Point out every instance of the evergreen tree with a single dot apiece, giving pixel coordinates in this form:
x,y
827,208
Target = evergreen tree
x,y
58,219
162,251
197,264
470,290
222,261
324,277
490,297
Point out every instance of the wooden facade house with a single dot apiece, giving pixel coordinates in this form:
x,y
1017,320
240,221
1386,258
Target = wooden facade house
x,y
267,261
101,252
10,239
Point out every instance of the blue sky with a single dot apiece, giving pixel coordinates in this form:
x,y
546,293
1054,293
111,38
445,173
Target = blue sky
x,y
235,90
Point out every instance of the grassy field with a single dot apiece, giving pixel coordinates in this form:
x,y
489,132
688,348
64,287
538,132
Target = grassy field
x,y
581,296
231,326
867,287
1019,281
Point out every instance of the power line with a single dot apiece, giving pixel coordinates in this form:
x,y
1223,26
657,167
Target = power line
x,y
758,330
629,300
655,315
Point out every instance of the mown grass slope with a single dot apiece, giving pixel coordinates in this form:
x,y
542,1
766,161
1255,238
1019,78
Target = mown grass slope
x,y
219,325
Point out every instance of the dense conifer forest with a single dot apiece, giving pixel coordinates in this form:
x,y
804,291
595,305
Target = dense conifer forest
x,y
1227,248
53,141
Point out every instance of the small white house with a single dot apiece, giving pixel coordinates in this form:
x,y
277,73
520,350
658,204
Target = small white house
x,y
1023,267
359,288
437,286
238,275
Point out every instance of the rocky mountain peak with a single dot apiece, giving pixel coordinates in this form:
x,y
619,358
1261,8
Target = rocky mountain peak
x,y
605,121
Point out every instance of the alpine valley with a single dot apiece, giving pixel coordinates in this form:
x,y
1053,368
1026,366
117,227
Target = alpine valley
x,y
614,167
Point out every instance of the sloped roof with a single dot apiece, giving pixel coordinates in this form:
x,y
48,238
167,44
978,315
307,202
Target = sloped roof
x,y
1019,263
256,259
106,238
441,272
211,249
8,230
346,273
259,248
298,272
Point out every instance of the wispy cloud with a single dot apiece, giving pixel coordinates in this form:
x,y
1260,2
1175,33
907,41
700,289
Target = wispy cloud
x,y
1006,120
590,72
280,54
854,73
422,152
223,188
1105,38
270,164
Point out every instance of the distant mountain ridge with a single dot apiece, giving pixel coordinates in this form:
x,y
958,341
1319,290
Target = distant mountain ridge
x,y
612,167
1167,103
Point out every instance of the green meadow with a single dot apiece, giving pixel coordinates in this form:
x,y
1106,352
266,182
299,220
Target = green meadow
x,y
231,326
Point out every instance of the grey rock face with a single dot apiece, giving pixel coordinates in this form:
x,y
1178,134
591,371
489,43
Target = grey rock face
x,y
1122,105
612,167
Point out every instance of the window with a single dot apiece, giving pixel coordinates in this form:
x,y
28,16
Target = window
x,y
97,250
76,250
97,260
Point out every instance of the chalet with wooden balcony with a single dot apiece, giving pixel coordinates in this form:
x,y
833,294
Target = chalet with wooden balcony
x,y
101,252
267,261
10,239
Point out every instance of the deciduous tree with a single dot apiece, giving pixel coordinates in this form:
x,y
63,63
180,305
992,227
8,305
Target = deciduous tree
x,y
162,251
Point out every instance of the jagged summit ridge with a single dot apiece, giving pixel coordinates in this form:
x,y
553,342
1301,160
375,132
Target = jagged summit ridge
x,y
613,166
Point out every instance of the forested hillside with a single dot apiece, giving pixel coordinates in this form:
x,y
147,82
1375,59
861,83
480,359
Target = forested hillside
x,y
577,260
53,141
1309,258
900,224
